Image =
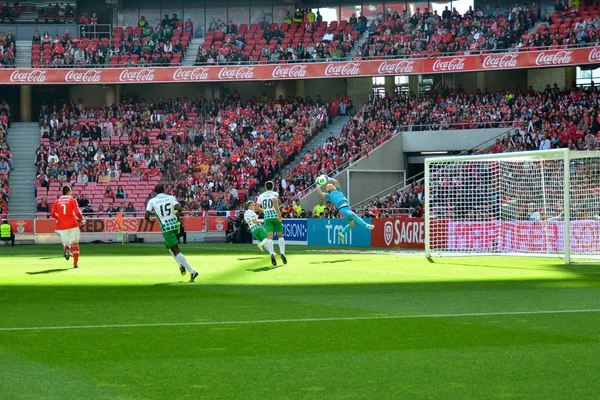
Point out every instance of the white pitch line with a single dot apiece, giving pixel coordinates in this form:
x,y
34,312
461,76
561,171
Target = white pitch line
x,y
296,320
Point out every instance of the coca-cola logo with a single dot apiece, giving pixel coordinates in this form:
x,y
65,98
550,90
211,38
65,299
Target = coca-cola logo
x,y
137,75
502,61
396,67
594,55
342,69
558,58
454,64
236,73
295,71
91,75
33,76
196,74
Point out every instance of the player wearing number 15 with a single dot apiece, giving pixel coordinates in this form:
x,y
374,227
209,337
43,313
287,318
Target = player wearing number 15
x,y
167,208
68,217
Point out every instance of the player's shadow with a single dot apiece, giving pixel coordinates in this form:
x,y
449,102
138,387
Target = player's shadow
x,y
48,271
264,269
47,258
330,262
250,258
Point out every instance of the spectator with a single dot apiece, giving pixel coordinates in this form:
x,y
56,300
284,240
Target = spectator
x,y
43,206
130,208
120,194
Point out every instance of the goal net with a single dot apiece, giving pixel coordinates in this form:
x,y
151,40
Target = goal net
x,y
524,203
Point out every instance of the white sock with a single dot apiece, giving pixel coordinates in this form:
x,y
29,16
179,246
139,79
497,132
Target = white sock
x,y
270,246
182,261
174,257
281,243
264,242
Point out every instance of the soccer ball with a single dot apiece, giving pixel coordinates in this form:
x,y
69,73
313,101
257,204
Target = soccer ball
x,y
321,180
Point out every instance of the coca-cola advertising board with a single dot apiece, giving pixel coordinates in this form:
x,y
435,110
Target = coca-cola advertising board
x,y
339,69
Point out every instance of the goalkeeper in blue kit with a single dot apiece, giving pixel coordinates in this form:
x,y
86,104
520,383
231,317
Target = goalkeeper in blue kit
x,y
336,197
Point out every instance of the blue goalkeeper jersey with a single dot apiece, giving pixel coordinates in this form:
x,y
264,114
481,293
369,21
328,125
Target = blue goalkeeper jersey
x,y
337,198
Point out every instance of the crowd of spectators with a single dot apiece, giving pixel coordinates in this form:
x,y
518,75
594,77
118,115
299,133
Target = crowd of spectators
x,y
163,44
143,45
301,37
428,34
552,118
7,50
211,153
6,163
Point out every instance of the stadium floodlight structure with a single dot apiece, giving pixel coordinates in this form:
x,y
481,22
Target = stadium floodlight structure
x,y
522,203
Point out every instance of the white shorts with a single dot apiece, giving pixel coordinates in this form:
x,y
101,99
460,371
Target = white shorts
x,y
69,236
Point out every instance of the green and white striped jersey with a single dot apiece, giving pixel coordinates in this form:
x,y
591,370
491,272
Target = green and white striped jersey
x,y
249,216
266,202
163,205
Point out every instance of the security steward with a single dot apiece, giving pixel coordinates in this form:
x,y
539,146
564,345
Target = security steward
x,y
6,233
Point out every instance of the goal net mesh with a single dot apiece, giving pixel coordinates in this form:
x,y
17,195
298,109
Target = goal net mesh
x,y
514,205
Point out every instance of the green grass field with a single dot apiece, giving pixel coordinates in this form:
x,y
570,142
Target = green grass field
x,y
328,325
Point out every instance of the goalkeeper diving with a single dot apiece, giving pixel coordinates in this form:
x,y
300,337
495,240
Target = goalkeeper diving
x,y
336,197
255,225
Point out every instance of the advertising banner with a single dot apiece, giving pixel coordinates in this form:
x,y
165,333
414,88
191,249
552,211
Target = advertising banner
x,y
522,236
402,232
269,72
324,232
131,225
295,231
21,225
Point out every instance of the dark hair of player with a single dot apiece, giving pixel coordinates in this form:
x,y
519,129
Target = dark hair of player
x,y
248,203
159,188
66,190
269,185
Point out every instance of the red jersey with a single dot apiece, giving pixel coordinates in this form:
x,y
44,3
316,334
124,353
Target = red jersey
x,y
66,212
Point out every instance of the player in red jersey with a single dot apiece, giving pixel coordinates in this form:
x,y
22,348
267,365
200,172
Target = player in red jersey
x,y
68,217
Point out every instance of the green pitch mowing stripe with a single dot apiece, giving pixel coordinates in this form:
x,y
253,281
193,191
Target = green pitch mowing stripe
x,y
126,325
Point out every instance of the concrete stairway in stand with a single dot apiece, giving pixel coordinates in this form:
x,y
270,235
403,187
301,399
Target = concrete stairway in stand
x,y
23,140
190,56
318,141
23,57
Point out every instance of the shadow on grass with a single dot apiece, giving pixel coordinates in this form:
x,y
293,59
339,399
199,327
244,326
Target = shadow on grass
x,y
48,271
250,258
330,262
264,269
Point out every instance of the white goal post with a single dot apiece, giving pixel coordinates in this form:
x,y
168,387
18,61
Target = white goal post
x,y
523,203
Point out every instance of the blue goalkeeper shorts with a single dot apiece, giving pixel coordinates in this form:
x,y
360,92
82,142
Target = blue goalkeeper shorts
x,y
347,213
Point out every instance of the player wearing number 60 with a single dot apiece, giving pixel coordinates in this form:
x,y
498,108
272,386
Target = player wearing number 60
x,y
68,217
335,195
167,208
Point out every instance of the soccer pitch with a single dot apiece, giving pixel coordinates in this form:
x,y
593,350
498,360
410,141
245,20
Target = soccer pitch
x,y
348,325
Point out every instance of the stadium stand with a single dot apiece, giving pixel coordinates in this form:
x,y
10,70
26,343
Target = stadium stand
x,y
306,40
7,50
428,34
163,45
6,163
553,118
229,146
38,12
